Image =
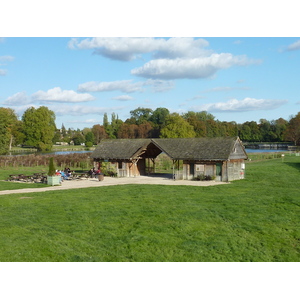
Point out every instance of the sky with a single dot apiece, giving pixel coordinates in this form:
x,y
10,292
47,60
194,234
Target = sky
x,y
234,78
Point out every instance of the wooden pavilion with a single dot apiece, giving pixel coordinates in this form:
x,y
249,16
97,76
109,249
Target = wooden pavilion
x,y
222,158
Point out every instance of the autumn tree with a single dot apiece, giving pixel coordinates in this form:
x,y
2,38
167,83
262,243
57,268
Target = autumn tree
x,y
99,133
292,132
144,130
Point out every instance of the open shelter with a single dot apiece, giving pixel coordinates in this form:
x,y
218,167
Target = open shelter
x,y
221,158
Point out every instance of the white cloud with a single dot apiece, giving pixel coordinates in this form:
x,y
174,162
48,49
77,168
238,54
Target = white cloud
x,y
55,95
3,72
123,98
17,99
160,85
127,49
58,95
125,86
202,67
247,104
294,46
173,58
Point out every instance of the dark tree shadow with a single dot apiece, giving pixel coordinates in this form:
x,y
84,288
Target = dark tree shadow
x,y
294,165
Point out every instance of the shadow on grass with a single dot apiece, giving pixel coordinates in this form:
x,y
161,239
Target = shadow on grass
x,y
294,165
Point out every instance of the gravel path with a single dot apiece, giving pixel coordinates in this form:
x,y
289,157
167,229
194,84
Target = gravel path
x,y
85,183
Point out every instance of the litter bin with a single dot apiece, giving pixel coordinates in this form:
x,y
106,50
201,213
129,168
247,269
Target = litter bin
x,y
101,177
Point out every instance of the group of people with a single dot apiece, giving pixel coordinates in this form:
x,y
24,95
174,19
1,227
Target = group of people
x,y
93,172
65,175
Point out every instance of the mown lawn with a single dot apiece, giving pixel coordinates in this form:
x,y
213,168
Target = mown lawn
x,y
256,219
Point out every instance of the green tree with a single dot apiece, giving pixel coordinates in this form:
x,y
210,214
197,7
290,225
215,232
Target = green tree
x,y
90,138
8,119
201,116
105,121
39,127
141,115
158,119
177,127
18,133
280,126
78,137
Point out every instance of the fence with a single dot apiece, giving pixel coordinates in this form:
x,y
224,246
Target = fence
x,y
74,160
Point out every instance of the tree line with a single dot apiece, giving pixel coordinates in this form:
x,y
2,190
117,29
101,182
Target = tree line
x,y
37,128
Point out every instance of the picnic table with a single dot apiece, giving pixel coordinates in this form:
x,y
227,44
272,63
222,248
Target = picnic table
x,y
80,176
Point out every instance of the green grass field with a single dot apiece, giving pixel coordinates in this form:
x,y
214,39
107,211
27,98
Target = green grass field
x,y
256,219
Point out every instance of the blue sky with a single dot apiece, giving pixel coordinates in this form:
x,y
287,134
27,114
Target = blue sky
x,y
234,78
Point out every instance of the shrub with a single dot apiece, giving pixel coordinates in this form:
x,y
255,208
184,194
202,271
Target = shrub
x,y
89,144
51,171
203,177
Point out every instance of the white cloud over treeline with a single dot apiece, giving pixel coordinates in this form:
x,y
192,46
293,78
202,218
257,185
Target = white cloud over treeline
x,y
52,95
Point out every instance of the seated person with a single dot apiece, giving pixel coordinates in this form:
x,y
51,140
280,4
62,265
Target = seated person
x,y
91,173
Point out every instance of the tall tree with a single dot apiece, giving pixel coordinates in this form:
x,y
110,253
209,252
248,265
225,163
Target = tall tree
x,y
105,121
39,127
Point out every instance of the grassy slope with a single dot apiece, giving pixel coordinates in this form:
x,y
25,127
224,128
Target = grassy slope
x,y
256,219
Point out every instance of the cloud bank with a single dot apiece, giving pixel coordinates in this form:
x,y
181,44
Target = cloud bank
x,y
126,49
191,68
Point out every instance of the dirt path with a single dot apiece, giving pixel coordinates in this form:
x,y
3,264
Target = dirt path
x,y
85,183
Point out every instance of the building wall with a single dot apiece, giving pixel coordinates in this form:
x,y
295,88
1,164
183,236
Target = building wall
x,y
222,171
236,169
